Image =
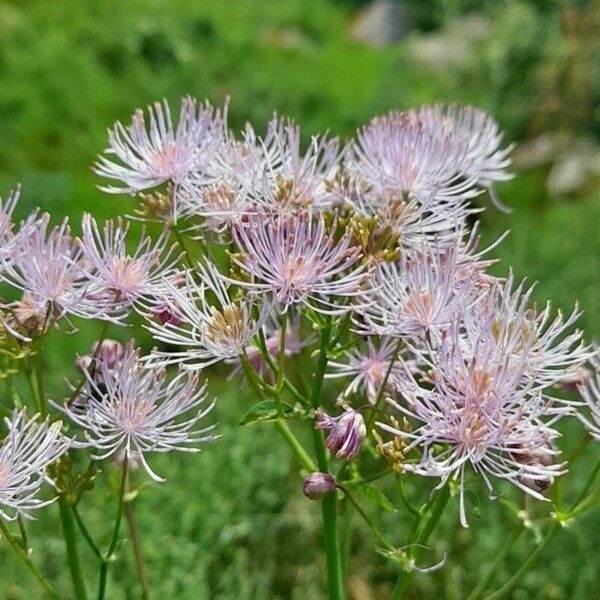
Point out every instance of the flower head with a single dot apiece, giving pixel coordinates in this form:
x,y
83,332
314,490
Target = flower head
x,y
298,260
119,278
133,409
520,331
418,295
396,154
7,208
347,432
149,157
369,369
473,407
205,320
589,389
26,452
477,133
48,267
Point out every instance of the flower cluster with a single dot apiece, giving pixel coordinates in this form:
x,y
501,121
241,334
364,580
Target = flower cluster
x,y
297,265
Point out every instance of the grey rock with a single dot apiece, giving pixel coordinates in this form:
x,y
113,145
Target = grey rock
x,y
381,23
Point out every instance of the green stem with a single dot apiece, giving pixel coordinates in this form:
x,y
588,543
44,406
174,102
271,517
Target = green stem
x,y
71,543
86,534
485,581
511,583
381,391
299,452
23,532
281,364
533,557
183,246
115,536
347,510
65,514
134,534
22,554
421,538
380,537
335,583
287,384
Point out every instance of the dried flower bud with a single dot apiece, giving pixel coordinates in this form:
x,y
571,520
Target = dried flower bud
x,y
348,431
318,485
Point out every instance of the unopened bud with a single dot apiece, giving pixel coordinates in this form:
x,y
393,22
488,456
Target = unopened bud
x,y
166,316
347,432
318,485
110,352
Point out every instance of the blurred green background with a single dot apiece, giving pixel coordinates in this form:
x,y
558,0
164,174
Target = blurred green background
x,y
231,523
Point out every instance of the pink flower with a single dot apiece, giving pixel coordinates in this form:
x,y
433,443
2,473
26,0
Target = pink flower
x,y
119,278
48,267
204,321
396,154
368,369
474,407
299,260
147,158
418,295
132,409
477,133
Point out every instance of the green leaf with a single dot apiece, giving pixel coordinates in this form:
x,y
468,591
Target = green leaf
x,y
267,411
376,496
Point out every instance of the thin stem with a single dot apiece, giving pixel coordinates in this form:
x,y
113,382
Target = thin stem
x,y
437,504
587,487
347,512
485,581
381,391
411,509
183,246
115,536
281,364
23,532
511,583
71,543
533,557
303,458
39,380
65,514
299,452
86,534
22,554
335,584
380,537
287,384
374,477
134,534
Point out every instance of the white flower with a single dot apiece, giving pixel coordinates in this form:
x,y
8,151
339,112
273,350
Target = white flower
x,y
131,409
30,446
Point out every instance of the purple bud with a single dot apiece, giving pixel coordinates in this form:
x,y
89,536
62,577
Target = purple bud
x,y
110,352
347,432
318,485
166,316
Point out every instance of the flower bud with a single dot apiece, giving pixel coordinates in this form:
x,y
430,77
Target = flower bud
x,y
318,485
347,432
110,351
